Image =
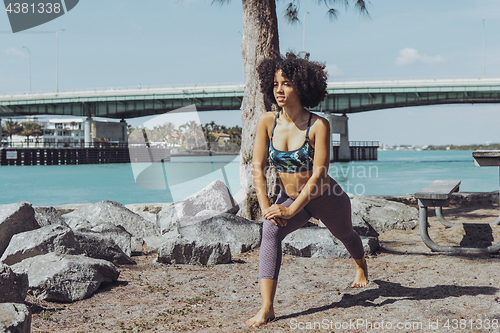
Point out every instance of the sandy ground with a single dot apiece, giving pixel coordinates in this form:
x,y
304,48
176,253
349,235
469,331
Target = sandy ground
x,y
411,289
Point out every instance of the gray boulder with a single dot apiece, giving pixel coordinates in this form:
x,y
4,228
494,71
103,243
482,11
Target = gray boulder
x,y
178,250
15,218
212,200
62,240
51,238
153,218
239,233
383,214
13,286
47,216
65,278
319,242
209,242
168,220
14,318
95,245
117,234
114,212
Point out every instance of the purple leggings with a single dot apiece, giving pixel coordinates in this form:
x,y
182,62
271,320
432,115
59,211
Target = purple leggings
x,y
333,208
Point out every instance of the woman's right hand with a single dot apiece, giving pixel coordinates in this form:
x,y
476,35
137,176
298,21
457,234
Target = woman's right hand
x,y
276,220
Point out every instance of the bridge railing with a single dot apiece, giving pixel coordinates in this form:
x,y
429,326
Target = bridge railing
x,y
125,88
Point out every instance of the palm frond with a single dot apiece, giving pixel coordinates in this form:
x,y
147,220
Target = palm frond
x,y
292,13
361,6
332,14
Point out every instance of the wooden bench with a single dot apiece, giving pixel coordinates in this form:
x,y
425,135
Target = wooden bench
x,y
438,195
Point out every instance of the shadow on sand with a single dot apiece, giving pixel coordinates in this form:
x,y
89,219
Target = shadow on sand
x,y
390,293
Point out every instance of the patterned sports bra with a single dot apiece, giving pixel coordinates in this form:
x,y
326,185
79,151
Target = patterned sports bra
x,y
292,160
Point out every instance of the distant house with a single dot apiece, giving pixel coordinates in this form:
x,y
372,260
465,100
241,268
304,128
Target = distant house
x,y
222,136
70,132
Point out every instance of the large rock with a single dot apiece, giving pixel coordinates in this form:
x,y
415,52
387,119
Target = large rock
x,y
178,250
65,278
168,219
209,242
95,245
239,233
15,218
14,318
51,238
47,216
114,212
13,286
117,234
319,242
383,214
62,240
213,200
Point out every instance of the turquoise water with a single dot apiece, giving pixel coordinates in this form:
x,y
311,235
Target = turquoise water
x,y
396,172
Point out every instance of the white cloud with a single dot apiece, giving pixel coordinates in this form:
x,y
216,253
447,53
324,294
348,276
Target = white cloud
x,y
334,71
17,52
408,56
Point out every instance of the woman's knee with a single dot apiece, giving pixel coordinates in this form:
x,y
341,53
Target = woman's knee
x,y
269,230
348,236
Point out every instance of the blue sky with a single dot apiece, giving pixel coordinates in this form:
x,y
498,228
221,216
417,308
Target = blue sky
x,y
117,43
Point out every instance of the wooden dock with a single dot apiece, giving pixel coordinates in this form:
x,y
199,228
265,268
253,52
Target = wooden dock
x,y
360,151
94,155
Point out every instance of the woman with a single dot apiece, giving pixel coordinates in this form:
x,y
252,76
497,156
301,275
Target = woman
x,y
297,143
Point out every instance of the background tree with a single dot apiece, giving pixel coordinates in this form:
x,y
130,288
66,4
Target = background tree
x,y
260,40
31,129
12,128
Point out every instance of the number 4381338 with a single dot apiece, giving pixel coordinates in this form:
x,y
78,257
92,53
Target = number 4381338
x,y
40,8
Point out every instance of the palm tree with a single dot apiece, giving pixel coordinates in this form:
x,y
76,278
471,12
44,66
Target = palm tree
x,y
12,128
31,129
260,40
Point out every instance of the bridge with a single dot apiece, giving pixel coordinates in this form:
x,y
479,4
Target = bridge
x,y
343,98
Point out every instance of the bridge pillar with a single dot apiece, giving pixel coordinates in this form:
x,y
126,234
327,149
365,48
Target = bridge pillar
x,y
88,134
125,130
1,132
338,124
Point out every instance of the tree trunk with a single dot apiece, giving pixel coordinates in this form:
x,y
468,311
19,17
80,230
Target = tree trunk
x,y
260,40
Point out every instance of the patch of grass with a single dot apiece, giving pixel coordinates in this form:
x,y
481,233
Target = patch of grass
x,y
174,312
156,288
210,293
194,300
201,322
137,327
204,265
46,315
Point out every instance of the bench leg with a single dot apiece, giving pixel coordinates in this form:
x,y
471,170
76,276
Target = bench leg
x,y
445,222
423,225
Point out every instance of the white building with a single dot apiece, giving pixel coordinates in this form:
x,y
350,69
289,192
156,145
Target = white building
x,y
63,132
70,132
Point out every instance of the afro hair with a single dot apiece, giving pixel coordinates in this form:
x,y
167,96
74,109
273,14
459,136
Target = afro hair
x,y
308,77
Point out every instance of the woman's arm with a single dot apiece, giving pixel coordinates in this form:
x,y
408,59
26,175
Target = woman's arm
x,y
259,163
315,184
259,160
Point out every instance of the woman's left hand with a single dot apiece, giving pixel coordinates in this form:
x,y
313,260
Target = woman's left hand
x,y
278,211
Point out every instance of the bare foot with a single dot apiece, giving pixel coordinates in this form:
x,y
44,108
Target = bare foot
x,y
361,279
262,317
